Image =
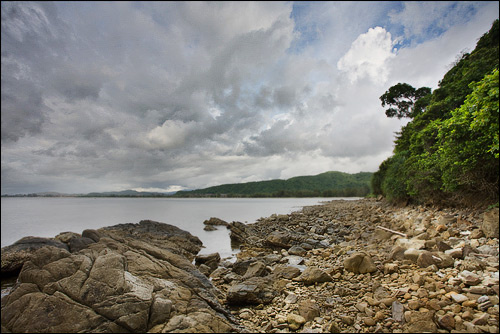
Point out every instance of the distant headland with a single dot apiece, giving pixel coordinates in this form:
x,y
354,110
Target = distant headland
x,y
328,184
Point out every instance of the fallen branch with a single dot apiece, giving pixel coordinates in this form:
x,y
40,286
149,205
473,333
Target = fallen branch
x,y
392,231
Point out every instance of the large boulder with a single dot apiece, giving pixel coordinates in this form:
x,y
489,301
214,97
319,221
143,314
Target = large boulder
x,y
490,223
213,221
279,239
256,269
421,322
309,309
91,234
255,290
240,233
313,275
211,260
15,255
360,263
136,278
76,244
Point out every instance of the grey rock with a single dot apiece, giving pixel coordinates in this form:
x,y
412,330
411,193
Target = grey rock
x,y
398,311
360,263
490,224
313,275
309,310
92,234
14,256
76,244
256,269
297,250
213,221
255,290
278,239
133,279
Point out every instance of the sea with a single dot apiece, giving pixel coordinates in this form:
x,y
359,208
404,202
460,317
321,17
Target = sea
x,y
49,216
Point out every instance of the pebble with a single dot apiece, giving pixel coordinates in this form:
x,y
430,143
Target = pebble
x,y
461,296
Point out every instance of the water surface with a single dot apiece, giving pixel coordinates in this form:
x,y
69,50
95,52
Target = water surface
x,y
47,216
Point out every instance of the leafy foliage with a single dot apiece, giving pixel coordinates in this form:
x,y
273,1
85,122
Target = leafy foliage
x,y
405,100
468,141
450,150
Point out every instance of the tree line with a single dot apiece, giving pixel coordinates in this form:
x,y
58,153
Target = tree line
x,y
449,151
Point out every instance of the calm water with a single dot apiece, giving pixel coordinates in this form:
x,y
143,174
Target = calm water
x,y
47,217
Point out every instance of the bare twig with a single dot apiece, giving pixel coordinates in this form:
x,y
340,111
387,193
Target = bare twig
x,y
392,231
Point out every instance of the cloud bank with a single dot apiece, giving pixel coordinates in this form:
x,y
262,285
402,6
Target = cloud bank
x,y
173,95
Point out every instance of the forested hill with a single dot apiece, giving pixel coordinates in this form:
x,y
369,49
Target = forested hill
x,y
329,184
448,152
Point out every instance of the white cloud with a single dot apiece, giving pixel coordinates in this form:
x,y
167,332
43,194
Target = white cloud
x,y
148,95
170,134
368,56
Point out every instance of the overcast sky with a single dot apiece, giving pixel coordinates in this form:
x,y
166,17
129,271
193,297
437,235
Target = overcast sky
x,y
165,96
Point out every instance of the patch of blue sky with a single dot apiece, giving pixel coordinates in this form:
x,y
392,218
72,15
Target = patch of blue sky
x,y
412,25
307,31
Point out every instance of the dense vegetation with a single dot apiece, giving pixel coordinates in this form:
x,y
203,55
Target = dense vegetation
x,y
448,152
329,184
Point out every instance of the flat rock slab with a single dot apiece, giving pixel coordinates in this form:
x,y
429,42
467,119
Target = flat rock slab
x,y
135,278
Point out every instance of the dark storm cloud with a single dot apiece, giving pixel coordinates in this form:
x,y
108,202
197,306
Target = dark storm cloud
x,y
114,95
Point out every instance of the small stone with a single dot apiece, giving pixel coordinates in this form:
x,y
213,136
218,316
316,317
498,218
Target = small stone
x,y
469,303
387,301
467,315
360,263
347,320
440,228
413,304
379,316
390,268
421,322
291,298
369,321
459,298
456,253
469,278
372,302
422,293
361,306
483,299
397,311
447,322
295,321
476,234
481,320
412,254
433,304
333,327
308,310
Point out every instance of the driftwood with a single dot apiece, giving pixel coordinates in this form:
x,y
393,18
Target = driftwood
x,y
392,231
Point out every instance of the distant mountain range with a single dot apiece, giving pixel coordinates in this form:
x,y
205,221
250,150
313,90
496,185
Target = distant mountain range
x,y
124,193
329,184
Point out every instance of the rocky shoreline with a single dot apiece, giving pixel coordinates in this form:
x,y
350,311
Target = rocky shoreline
x,y
344,266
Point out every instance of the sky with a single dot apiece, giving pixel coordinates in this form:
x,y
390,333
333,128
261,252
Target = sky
x,y
165,96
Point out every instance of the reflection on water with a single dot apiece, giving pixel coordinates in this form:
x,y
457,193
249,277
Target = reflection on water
x,y
7,284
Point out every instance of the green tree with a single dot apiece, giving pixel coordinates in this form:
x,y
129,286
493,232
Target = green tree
x,y
405,101
468,141
449,151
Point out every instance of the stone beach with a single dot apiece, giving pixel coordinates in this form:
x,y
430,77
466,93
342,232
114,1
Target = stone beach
x,y
336,268
343,266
